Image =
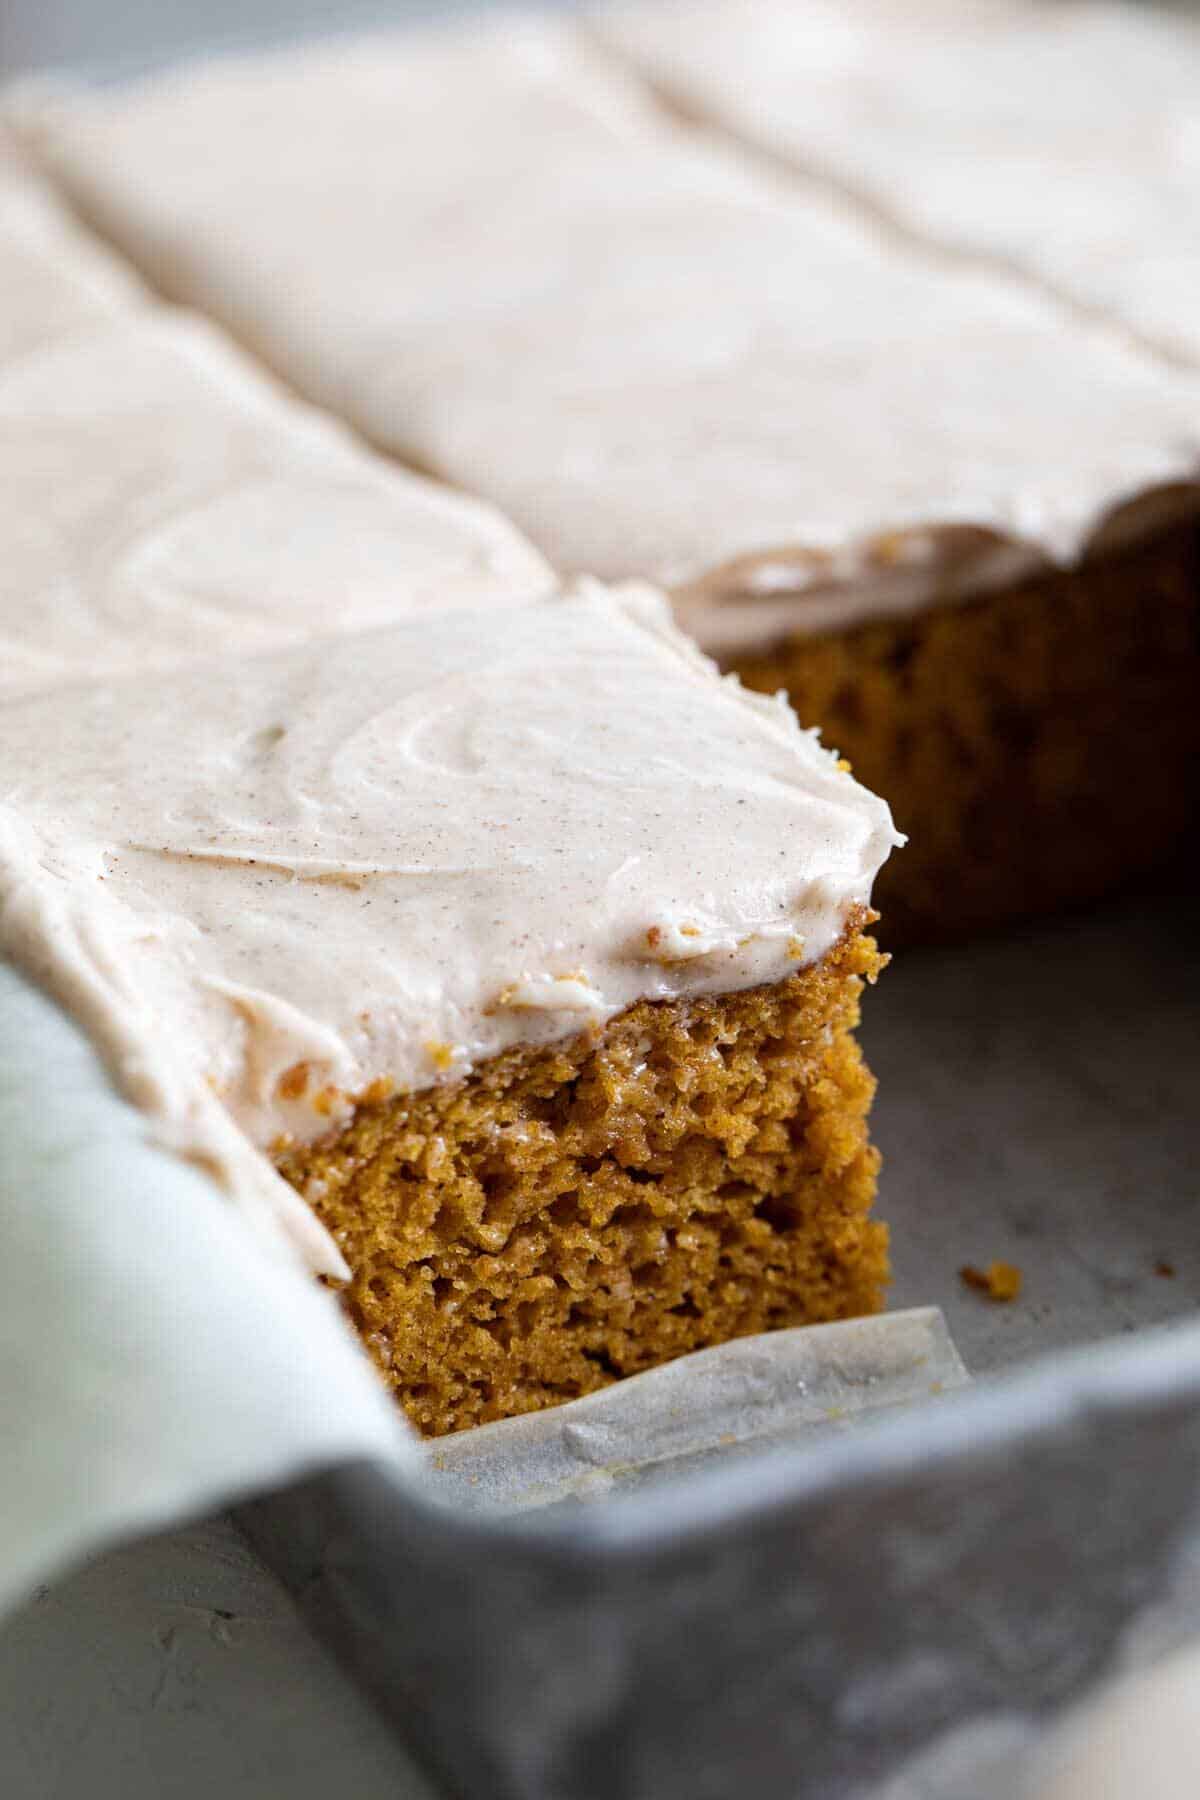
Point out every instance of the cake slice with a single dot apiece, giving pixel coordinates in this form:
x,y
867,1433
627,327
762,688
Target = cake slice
x,y
515,942
953,518
162,501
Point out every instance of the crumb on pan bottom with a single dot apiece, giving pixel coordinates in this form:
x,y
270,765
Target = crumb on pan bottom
x,y
694,1171
1039,744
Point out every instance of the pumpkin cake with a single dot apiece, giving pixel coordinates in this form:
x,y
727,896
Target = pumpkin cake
x,y
445,931
993,133
950,514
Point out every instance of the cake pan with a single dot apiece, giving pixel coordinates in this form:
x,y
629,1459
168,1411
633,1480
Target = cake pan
x,y
799,1562
806,1621
798,1624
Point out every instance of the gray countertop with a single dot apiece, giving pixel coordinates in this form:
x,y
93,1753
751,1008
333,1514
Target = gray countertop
x,y
178,1668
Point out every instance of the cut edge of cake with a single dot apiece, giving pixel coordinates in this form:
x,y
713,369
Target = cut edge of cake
x,y
691,1171
443,1085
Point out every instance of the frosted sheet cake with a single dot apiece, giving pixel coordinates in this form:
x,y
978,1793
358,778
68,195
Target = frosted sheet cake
x,y
951,516
446,932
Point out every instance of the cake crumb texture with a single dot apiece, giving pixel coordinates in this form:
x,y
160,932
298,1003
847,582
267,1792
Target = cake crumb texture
x,y
1039,744
694,1171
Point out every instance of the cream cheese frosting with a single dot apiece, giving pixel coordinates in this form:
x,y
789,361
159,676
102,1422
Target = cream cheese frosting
x,y
657,356
54,279
265,883
161,501
1059,140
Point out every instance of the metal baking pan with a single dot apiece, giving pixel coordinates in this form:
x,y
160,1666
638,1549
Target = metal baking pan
x,y
804,1620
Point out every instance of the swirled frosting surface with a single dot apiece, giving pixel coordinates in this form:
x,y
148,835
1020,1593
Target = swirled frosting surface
x,y
264,883
161,501
658,356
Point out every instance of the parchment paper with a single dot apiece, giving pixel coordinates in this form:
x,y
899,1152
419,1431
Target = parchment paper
x,y
153,1363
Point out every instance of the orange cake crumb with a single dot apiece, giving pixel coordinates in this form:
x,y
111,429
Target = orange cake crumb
x,y
565,1215
1038,744
1000,1281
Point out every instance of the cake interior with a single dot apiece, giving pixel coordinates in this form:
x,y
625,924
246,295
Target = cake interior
x,y
693,1171
1038,744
